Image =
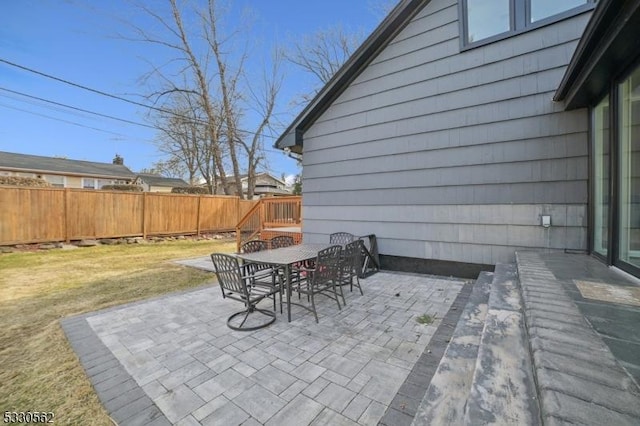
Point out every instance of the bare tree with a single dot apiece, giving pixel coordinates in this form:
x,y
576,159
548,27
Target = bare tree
x,y
171,167
264,101
323,52
218,83
182,135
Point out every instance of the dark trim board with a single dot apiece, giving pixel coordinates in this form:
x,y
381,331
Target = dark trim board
x,y
608,45
433,267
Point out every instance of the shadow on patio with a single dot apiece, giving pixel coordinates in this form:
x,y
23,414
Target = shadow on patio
x,y
173,359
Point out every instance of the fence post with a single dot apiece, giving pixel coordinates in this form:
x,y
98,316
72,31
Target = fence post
x,y
238,218
67,236
144,215
198,215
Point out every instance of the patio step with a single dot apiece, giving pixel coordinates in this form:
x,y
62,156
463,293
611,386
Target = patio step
x,y
503,389
446,398
485,375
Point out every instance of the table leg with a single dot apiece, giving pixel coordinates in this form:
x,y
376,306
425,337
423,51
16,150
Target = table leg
x,y
287,277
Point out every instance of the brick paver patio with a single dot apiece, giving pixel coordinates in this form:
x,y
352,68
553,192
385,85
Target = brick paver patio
x,y
174,360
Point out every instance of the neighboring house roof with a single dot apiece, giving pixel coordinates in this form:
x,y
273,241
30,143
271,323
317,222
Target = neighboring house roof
x,y
608,46
39,164
395,22
271,190
157,180
265,184
262,178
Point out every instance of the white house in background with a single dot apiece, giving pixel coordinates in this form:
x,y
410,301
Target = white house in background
x,y
156,183
266,185
65,173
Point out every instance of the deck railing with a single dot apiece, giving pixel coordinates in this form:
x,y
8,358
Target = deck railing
x,y
272,212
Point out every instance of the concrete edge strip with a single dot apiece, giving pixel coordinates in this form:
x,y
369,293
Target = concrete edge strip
x,y
121,396
404,405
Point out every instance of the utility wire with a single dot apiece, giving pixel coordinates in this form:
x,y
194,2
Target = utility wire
x,y
85,111
77,108
65,121
100,92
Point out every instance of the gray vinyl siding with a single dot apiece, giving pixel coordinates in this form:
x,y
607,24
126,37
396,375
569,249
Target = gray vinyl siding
x,y
453,155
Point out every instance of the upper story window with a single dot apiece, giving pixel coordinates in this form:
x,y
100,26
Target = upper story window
x,y
486,18
484,21
541,9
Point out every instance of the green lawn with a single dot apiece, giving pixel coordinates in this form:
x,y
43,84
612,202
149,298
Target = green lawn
x,y
38,369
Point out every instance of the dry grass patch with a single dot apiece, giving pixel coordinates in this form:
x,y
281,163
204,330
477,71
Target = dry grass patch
x,y
38,369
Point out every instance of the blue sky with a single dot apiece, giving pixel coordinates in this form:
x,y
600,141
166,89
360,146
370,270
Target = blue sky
x,y
77,40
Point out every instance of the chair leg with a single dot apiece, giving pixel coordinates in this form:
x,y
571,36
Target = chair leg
x,y
335,293
250,310
344,302
359,286
245,317
313,305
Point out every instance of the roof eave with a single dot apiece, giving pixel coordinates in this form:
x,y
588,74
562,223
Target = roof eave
x,y
398,18
63,173
608,45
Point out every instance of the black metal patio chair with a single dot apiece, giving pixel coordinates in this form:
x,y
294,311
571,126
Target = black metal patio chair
x,y
342,238
257,270
248,289
281,241
322,278
254,246
351,264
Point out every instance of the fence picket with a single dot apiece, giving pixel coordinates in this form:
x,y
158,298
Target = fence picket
x,y
36,215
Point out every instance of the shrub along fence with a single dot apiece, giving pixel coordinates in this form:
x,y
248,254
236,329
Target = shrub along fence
x,y
36,215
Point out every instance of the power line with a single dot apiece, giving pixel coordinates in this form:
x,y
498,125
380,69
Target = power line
x,y
87,111
100,92
65,121
77,108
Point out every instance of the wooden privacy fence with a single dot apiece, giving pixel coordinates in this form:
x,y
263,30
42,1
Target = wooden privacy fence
x,y
35,215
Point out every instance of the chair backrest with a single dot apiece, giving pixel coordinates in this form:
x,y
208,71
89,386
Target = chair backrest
x,y
281,241
352,256
341,238
254,246
229,274
327,267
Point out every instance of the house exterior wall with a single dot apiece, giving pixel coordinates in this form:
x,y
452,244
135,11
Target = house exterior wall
x,y
69,181
73,182
452,155
159,188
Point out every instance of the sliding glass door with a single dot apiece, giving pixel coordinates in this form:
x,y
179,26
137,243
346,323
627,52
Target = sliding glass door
x,y
600,167
615,175
629,170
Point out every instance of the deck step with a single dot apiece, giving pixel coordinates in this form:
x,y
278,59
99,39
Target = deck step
x,y
503,389
446,398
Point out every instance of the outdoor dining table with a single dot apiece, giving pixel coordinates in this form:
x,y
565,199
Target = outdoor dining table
x,y
285,258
